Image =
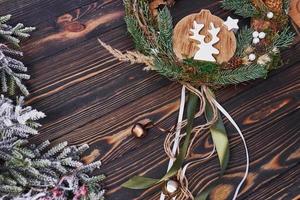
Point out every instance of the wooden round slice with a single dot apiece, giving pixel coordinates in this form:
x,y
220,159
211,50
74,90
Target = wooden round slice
x,y
295,11
185,47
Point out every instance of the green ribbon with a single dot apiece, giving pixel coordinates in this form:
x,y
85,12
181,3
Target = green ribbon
x,y
139,182
219,136
220,139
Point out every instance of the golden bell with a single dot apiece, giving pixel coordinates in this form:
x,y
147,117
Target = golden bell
x,y
171,188
138,130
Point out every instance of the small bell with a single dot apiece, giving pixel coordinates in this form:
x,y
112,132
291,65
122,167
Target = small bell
x,y
171,188
139,130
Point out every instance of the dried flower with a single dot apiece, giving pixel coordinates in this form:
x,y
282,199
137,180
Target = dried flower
x,y
264,59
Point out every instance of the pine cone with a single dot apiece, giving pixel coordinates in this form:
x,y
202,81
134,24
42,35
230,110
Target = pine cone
x,y
233,63
274,5
260,48
262,25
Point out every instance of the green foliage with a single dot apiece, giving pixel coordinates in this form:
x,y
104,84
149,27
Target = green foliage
x,y
286,5
240,7
167,68
244,40
241,74
165,28
140,41
275,63
283,39
202,66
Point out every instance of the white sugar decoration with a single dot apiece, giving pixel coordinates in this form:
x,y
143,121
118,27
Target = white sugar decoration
x,y
256,41
232,24
255,34
206,49
252,57
270,15
262,35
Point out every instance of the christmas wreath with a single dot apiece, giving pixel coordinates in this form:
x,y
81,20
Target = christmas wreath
x,y
203,52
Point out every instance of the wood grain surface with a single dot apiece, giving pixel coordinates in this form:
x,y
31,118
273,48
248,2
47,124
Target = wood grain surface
x,y
90,97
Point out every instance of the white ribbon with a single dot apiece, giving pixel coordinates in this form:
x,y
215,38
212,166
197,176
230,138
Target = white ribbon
x,y
177,133
222,110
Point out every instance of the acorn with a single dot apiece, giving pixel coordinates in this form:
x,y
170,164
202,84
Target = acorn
x,y
171,188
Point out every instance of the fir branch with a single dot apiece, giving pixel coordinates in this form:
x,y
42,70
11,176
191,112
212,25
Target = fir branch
x,y
14,119
43,172
140,41
244,40
165,28
13,34
240,7
283,39
13,70
241,74
167,68
286,5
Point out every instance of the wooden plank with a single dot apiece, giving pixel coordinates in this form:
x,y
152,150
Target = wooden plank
x,y
72,28
90,97
265,166
33,12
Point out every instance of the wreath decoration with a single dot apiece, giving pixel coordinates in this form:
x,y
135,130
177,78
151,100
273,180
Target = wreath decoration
x,y
203,53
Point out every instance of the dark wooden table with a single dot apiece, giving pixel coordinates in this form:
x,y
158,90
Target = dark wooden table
x,y
90,97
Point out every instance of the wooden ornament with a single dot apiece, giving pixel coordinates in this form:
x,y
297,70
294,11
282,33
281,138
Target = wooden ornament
x,y
295,11
186,47
206,49
232,24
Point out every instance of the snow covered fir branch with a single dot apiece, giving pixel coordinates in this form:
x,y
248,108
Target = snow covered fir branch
x,y
16,121
29,171
13,71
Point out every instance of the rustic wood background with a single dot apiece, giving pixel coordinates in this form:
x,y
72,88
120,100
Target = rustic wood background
x,y
91,97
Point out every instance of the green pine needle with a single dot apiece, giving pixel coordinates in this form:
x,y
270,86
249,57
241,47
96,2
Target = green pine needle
x,y
240,7
141,43
165,27
202,66
240,75
244,40
283,39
